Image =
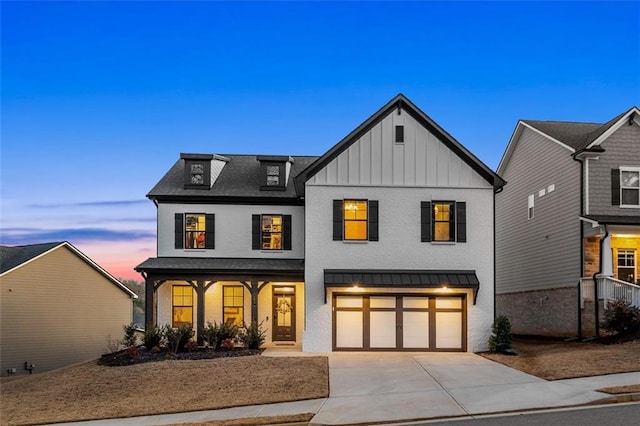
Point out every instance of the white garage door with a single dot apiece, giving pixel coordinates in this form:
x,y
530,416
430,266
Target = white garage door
x,y
399,322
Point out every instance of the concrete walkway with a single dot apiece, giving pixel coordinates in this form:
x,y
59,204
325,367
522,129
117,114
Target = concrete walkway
x,y
387,387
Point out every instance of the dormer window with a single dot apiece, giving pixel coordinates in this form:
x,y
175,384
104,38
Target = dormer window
x,y
274,172
197,171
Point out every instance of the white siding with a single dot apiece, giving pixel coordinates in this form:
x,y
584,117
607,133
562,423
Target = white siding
x,y
422,160
232,231
399,248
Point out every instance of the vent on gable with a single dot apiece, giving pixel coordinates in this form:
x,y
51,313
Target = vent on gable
x,y
399,136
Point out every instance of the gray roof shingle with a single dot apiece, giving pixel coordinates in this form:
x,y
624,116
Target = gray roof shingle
x,y
240,177
11,257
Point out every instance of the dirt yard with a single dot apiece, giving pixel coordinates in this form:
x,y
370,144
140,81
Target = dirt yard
x,y
553,360
91,391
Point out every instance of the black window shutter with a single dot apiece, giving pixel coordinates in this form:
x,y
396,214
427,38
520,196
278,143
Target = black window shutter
x,y
255,232
425,221
286,221
337,220
461,222
179,241
615,187
373,220
210,231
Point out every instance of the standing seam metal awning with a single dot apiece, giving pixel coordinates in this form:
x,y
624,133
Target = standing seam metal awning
x,y
372,278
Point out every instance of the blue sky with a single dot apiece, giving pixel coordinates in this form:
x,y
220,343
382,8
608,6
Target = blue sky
x,y
99,98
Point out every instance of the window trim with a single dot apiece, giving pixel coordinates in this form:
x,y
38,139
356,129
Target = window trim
x,y
451,221
344,220
622,188
224,305
174,306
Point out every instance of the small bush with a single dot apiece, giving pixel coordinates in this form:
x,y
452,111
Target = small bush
x,y
253,336
621,317
152,336
227,345
177,338
214,334
130,338
500,339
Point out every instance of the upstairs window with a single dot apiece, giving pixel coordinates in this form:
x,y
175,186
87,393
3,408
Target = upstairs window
x,y
530,206
197,171
630,187
444,225
399,134
194,231
271,232
355,220
443,221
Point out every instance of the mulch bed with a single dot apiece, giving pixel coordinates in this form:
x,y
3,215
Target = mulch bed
x,y
140,354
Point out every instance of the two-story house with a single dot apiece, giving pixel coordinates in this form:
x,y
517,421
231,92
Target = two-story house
x,y
385,242
569,217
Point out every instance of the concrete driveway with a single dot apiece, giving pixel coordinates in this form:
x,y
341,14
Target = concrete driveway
x,y
382,387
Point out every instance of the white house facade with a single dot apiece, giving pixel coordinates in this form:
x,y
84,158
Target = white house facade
x,y
389,242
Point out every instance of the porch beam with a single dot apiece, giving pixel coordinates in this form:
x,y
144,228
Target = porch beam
x,y
254,288
200,289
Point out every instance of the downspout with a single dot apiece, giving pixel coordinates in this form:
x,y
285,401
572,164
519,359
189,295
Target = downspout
x,y
595,283
581,246
497,191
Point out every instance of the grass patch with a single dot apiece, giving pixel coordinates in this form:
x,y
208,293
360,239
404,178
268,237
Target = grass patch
x,y
619,390
91,391
255,421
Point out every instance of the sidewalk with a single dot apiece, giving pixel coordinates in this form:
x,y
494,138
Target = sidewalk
x,y
387,387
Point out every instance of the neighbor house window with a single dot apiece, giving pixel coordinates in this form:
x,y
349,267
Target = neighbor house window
x,y
627,265
233,304
271,232
194,227
182,299
530,201
355,219
630,186
443,221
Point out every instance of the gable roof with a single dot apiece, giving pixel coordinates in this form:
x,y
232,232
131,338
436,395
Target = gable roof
x,y
575,136
239,178
14,257
399,102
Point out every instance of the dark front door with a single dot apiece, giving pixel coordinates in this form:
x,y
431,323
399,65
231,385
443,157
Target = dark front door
x,y
284,314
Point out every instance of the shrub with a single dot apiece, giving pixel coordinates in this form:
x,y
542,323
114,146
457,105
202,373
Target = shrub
x,y
152,336
214,334
191,346
227,345
178,337
500,339
621,317
253,336
130,338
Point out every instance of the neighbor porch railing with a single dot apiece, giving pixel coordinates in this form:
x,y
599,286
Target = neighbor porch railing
x,y
609,288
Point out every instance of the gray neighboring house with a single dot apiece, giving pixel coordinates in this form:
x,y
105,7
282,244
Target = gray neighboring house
x,y
569,217
57,308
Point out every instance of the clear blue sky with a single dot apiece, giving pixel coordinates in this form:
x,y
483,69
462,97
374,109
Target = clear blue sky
x,y
99,98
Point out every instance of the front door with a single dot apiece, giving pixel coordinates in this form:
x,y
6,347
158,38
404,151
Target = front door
x,y
284,314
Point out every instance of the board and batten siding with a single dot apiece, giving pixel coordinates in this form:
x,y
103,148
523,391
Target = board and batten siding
x,y
422,160
543,252
622,148
57,310
233,232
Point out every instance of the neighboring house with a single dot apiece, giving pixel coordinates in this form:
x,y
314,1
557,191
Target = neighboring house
x,y
57,308
571,213
385,242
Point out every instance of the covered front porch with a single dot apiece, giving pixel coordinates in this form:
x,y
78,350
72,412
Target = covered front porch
x,y
196,291
610,271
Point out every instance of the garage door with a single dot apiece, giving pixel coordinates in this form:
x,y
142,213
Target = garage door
x,y
399,322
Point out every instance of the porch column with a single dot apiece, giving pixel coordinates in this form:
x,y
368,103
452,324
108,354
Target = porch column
x,y
607,257
200,288
254,288
150,302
